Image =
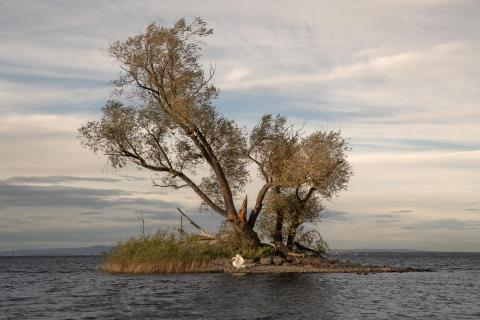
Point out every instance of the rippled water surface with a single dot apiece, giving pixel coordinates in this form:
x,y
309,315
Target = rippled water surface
x,y
70,288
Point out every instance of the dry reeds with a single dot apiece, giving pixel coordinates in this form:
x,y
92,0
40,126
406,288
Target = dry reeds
x,y
165,253
165,266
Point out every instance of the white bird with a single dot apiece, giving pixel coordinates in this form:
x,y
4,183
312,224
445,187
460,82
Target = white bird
x,y
238,261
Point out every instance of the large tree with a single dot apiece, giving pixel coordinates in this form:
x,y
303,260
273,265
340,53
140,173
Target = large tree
x,y
163,119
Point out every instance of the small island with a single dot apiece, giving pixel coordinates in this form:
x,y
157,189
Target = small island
x,y
163,119
165,253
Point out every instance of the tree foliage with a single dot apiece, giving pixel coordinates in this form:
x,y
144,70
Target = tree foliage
x,y
166,121
303,171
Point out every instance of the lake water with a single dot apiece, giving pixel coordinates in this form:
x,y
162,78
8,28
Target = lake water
x,y
70,288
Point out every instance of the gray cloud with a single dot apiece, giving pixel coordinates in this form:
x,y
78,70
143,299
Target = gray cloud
x,y
69,234
472,209
401,211
386,218
57,179
133,178
454,224
18,195
90,213
161,214
337,216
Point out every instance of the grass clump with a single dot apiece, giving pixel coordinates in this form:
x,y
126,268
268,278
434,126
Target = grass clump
x,y
166,253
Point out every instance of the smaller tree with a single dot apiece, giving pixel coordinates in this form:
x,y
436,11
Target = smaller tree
x,y
302,171
284,214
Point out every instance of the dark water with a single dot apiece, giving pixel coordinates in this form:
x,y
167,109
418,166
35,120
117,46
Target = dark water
x,y
70,288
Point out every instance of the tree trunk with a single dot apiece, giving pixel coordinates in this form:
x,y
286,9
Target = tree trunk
x,y
292,231
278,233
258,205
251,235
245,232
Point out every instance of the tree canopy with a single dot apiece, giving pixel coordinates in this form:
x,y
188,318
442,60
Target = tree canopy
x,y
301,172
169,123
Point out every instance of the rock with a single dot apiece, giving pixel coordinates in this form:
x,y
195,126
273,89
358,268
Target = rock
x,y
293,260
277,260
266,260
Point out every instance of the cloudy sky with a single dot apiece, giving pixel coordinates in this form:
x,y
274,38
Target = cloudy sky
x,y
400,78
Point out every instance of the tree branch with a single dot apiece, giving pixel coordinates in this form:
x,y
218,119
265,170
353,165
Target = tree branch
x,y
260,166
309,194
258,205
169,185
202,195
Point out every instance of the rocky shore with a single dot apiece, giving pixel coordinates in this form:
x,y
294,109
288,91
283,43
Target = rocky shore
x,y
271,264
310,264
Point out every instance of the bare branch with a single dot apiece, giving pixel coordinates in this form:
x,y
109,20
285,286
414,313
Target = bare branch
x,y
202,232
169,185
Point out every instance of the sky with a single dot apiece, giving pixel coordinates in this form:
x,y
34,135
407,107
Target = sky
x,y
400,78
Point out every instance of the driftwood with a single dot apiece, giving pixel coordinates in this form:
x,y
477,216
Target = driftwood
x,y
294,254
283,251
203,233
182,232
309,250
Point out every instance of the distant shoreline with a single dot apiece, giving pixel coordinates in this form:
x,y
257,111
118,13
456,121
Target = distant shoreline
x,y
58,252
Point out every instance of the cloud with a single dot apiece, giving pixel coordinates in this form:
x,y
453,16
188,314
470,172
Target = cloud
x,y
69,236
414,86
401,211
44,144
90,213
451,224
132,178
159,215
337,216
58,179
386,218
37,97
20,195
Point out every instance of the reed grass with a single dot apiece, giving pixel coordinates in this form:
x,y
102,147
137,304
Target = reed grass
x,y
166,253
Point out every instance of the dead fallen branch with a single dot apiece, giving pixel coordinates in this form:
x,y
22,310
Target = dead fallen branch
x,y
203,233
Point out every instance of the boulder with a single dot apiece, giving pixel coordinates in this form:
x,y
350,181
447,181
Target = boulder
x,y
266,260
277,260
293,260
